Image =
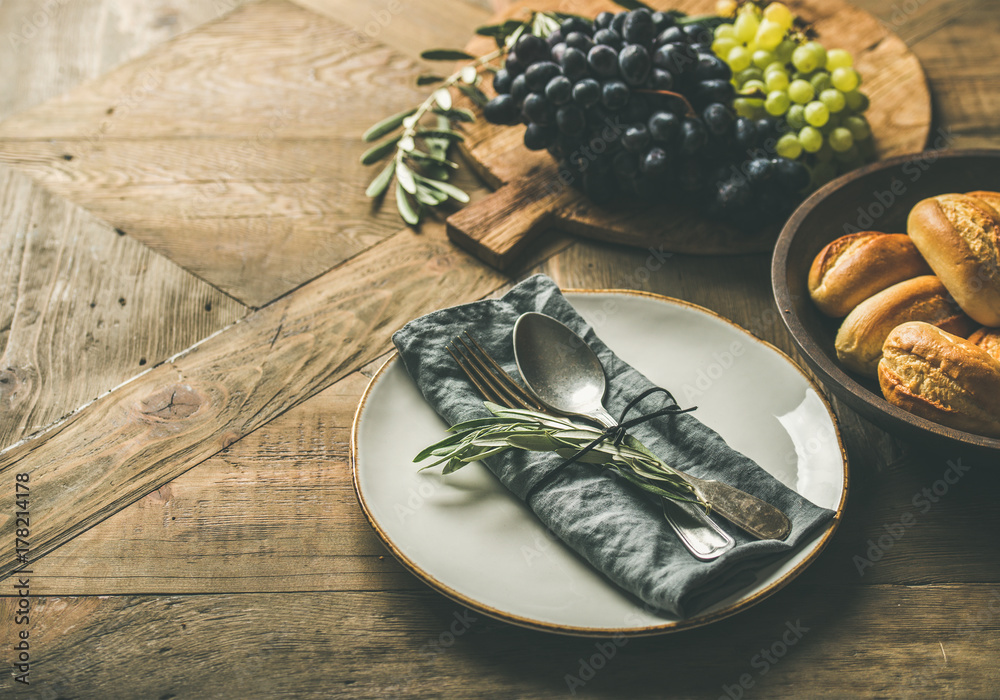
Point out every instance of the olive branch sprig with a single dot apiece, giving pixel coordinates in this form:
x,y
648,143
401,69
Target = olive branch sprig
x,y
418,151
511,428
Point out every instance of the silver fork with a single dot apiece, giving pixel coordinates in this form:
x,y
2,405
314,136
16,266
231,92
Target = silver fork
x,y
697,531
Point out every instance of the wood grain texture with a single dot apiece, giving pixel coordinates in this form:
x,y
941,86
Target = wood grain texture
x,y
51,47
232,150
408,26
272,511
155,428
900,117
257,507
84,308
378,644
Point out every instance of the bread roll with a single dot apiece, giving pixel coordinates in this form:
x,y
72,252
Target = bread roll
x,y
959,236
940,377
989,340
991,198
861,335
858,265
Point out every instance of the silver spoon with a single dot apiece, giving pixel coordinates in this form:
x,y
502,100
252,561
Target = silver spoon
x,y
567,377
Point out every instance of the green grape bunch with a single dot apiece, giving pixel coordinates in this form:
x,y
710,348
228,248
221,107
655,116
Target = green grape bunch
x,y
813,93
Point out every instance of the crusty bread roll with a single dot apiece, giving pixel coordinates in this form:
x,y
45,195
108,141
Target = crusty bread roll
x,y
991,198
861,335
858,265
959,236
989,340
939,376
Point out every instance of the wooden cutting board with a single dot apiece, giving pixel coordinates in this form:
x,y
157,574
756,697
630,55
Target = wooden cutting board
x,y
528,197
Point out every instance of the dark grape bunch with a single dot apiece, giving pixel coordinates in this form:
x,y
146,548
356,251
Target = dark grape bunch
x,y
636,104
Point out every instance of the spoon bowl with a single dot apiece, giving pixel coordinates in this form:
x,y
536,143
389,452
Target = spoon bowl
x,y
559,368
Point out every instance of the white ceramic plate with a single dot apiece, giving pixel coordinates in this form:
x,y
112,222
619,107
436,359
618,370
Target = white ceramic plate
x,y
471,539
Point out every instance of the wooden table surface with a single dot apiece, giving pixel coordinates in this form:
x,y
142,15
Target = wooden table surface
x,y
194,292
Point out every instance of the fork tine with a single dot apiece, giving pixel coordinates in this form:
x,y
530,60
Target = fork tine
x,y
491,373
495,382
523,397
471,373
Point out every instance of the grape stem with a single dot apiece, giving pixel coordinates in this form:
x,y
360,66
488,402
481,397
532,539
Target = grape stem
x,y
690,108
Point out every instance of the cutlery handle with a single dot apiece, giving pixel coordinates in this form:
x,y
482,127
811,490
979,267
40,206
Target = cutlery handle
x,y
743,510
698,532
760,519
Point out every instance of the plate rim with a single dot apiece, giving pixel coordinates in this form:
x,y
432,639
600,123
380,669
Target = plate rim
x,y
604,632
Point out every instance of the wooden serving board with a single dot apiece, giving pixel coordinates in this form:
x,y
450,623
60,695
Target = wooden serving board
x,y
528,197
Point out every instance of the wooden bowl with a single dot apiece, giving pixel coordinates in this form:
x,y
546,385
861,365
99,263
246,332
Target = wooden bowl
x,y
877,197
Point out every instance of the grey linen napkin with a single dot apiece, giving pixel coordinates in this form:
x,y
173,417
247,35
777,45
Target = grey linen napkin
x,y
609,522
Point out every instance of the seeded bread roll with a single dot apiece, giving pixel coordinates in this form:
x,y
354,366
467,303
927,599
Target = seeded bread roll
x,y
959,236
989,340
861,335
940,377
858,265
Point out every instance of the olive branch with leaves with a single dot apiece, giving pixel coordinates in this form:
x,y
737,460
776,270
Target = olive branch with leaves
x,y
420,137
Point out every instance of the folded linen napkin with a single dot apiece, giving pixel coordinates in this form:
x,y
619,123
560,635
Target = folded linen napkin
x,y
609,522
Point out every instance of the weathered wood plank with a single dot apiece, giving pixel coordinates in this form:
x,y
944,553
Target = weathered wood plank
x,y
51,47
965,80
815,640
232,150
155,428
408,26
243,520
84,309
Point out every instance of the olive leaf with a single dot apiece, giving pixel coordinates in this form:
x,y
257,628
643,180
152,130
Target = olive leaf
x,y
442,134
447,189
430,197
443,98
445,55
381,182
406,178
380,129
428,79
499,32
432,158
377,153
477,96
406,210
633,4
456,114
